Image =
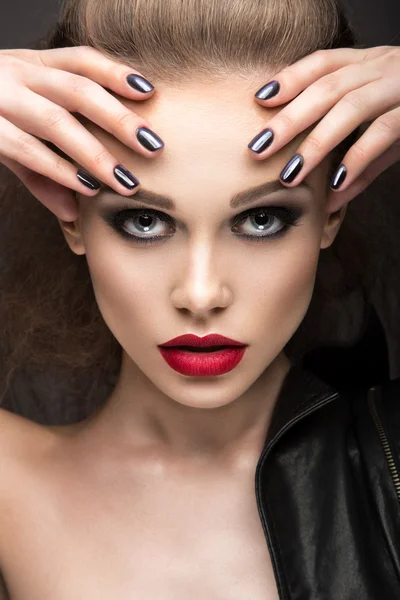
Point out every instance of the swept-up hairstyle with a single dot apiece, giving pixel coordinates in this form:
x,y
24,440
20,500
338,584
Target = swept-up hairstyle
x,y
51,324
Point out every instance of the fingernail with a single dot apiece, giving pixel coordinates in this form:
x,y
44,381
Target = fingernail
x,y
125,177
261,141
268,91
149,139
338,177
292,169
88,180
139,83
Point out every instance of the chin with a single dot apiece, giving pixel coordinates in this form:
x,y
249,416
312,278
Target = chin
x,y
201,401
208,392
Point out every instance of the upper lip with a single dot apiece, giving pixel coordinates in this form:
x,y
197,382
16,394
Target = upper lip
x,y
213,339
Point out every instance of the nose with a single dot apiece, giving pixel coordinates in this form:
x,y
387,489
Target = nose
x,y
202,287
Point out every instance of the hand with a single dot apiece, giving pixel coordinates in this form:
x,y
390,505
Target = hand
x,y
39,89
352,86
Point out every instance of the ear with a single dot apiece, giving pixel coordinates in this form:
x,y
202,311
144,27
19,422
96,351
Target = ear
x,y
332,225
72,234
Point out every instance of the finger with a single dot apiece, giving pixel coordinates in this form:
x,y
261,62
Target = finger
x,y
314,103
58,199
40,117
31,153
344,118
301,74
382,135
81,95
91,63
337,199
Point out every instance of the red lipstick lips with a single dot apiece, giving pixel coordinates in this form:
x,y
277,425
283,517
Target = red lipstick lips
x,y
183,354
209,340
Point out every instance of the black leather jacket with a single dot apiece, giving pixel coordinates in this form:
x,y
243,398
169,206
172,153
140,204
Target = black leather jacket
x,y
328,491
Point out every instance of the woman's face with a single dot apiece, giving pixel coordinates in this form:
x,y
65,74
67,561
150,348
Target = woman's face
x,y
202,275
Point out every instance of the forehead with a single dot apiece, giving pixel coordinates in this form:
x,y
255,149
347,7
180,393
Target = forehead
x,y
206,127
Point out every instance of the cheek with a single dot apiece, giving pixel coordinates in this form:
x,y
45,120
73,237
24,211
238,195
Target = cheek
x,y
126,289
296,283
280,285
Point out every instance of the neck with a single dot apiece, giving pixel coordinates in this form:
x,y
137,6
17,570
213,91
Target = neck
x,y
138,414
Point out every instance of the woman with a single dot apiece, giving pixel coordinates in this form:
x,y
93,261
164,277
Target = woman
x,y
152,494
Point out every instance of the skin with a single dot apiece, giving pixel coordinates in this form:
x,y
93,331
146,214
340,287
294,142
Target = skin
x,y
204,279
165,447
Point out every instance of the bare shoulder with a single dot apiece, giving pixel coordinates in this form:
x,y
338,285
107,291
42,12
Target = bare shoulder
x,y
21,443
33,458
25,447
18,436
28,452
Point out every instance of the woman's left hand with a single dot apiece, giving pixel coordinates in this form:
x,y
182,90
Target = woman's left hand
x,y
352,86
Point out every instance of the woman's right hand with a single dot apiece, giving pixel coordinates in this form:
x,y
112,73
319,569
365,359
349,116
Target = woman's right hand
x,y
39,90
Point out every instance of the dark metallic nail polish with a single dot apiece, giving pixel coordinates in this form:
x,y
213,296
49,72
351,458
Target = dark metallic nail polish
x,y
338,177
88,180
292,169
268,91
261,141
139,83
149,139
125,177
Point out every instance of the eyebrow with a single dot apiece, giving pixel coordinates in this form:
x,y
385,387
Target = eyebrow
x,y
240,199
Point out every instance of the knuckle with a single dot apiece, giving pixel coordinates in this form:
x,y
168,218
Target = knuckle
x,y
54,117
355,100
378,50
6,60
389,123
81,86
125,121
284,119
89,50
58,164
313,144
328,84
386,51
9,66
88,54
320,57
394,53
26,144
101,157
359,152
41,58
82,49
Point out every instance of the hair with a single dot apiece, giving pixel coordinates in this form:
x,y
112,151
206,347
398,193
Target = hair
x,y
52,326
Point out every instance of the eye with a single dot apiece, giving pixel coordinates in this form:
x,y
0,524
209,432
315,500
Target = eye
x,y
137,223
267,221
261,223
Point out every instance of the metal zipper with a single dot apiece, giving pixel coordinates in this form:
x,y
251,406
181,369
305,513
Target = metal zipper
x,y
373,393
263,457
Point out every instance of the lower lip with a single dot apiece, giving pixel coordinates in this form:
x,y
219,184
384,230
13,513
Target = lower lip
x,y
203,364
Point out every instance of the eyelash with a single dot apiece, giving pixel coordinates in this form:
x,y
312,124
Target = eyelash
x,y
288,215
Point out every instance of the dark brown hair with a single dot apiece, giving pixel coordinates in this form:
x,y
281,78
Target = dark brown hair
x,y
52,327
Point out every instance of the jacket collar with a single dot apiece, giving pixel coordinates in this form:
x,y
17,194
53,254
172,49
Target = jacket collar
x,y
301,393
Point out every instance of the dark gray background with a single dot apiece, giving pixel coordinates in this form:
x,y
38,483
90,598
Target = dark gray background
x,y
377,22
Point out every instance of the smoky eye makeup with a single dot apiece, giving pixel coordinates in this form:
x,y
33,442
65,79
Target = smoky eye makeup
x,y
144,225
